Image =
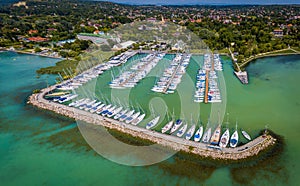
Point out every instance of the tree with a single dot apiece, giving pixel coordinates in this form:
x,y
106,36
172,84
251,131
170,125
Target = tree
x,y
37,49
63,54
240,58
255,51
89,29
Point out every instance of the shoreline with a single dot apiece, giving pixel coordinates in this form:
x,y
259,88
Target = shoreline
x,y
35,54
242,75
268,54
249,150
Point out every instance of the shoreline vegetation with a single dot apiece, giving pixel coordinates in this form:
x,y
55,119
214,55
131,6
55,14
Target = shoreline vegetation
x,y
283,52
30,53
247,151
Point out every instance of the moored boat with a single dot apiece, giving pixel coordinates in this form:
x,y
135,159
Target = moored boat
x,y
190,132
198,134
234,139
181,131
76,102
99,108
82,102
117,116
128,114
94,107
152,123
167,127
99,111
246,135
206,136
215,138
114,112
131,118
138,119
224,139
104,112
176,125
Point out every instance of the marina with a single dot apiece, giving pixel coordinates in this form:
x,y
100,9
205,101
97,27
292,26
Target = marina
x,y
105,68
65,146
133,118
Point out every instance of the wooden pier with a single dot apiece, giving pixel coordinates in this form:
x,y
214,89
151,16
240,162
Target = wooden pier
x,y
206,87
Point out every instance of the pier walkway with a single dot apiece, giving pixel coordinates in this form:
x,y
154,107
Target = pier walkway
x,y
172,77
206,87
242,76
137,71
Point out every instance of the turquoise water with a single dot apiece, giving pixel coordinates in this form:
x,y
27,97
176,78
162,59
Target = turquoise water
x,y
38,147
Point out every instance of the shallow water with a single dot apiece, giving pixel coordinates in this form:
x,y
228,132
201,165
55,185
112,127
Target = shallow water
x,y
38,147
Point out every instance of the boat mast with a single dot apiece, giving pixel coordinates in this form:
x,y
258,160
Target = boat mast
x,y
173,115
227,121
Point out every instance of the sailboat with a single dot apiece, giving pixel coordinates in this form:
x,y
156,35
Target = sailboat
x,y
76,102
176,125
167,127
246,135
117,116
104,112
114,112
152,123
138,119
224,139
191,130
206,136
131,118
198,133
225,136
126,115
216,136
234,139
182,130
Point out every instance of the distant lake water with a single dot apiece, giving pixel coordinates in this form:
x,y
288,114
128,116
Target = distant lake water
x,y
39,147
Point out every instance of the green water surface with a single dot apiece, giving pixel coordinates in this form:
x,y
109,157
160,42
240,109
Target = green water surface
x,y
41,148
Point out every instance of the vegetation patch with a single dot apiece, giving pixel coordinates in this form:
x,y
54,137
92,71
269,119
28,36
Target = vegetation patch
x,y
61,67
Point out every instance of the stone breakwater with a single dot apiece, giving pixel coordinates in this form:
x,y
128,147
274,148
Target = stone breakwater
x,y
250,149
